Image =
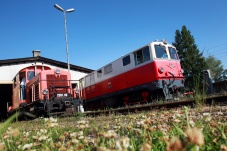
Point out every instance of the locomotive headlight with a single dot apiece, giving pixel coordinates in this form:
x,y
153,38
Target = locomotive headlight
x,y
45,91
57,71
161,70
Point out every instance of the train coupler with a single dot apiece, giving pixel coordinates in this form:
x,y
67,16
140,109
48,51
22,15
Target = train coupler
x,y
67,103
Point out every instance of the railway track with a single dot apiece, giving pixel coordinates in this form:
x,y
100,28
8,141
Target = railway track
x,y
214,99
210,100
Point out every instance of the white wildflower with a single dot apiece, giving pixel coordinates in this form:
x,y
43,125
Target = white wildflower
x,y
125,142
220,113
52,125
207,118
139,123
81,122
42,138
80,133
53,120
178,115
219,123
192,123
118,145
46,120
73,135
206,114
81,137
110,134
177,120
43,131
75,141
27,146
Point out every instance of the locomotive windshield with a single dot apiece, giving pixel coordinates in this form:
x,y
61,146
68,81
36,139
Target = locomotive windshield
x,y
173,53
160,51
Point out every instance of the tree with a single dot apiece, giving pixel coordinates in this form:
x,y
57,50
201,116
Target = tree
x,y
224,74
192,61
216,68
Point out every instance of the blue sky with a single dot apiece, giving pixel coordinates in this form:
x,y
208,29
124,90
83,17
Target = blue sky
x,y
100,31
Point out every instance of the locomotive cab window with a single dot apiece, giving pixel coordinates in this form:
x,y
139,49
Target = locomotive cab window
x,y
92,78
30,75
160,51
108,69
99,73
173,53
126,60
87,80
142,55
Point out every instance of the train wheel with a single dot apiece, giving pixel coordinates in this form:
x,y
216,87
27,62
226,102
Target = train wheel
x,y
126,100
157,95
91,106
145,95
102,105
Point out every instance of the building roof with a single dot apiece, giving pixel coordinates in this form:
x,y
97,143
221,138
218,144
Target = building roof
x,y
44,60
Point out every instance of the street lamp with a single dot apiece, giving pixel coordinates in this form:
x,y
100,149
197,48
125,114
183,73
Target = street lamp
x,y
66,36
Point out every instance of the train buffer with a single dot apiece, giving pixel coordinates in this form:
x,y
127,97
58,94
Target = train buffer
x,y
186,94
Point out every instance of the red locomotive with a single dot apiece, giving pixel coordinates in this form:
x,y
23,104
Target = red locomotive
x,y
144,75
43,91
147,74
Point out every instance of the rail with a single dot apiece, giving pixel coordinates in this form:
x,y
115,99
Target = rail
x,y
217,100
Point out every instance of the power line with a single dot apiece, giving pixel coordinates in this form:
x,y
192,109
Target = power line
x,y
210,52
217,46
219,53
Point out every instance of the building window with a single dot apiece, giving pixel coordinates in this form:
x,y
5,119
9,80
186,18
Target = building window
x,y
108,69
126,60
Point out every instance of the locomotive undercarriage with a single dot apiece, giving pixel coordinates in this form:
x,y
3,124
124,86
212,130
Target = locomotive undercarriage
x,y
165,90
58,105
47,108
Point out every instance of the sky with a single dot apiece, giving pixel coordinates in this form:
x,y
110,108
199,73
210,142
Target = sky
x,y
101,31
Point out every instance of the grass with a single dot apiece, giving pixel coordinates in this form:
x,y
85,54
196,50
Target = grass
x,y
177,129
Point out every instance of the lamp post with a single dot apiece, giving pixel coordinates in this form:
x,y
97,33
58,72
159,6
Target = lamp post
x,y
66,33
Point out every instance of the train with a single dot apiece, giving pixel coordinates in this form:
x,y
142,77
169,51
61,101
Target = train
x,y
41,91
144,75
